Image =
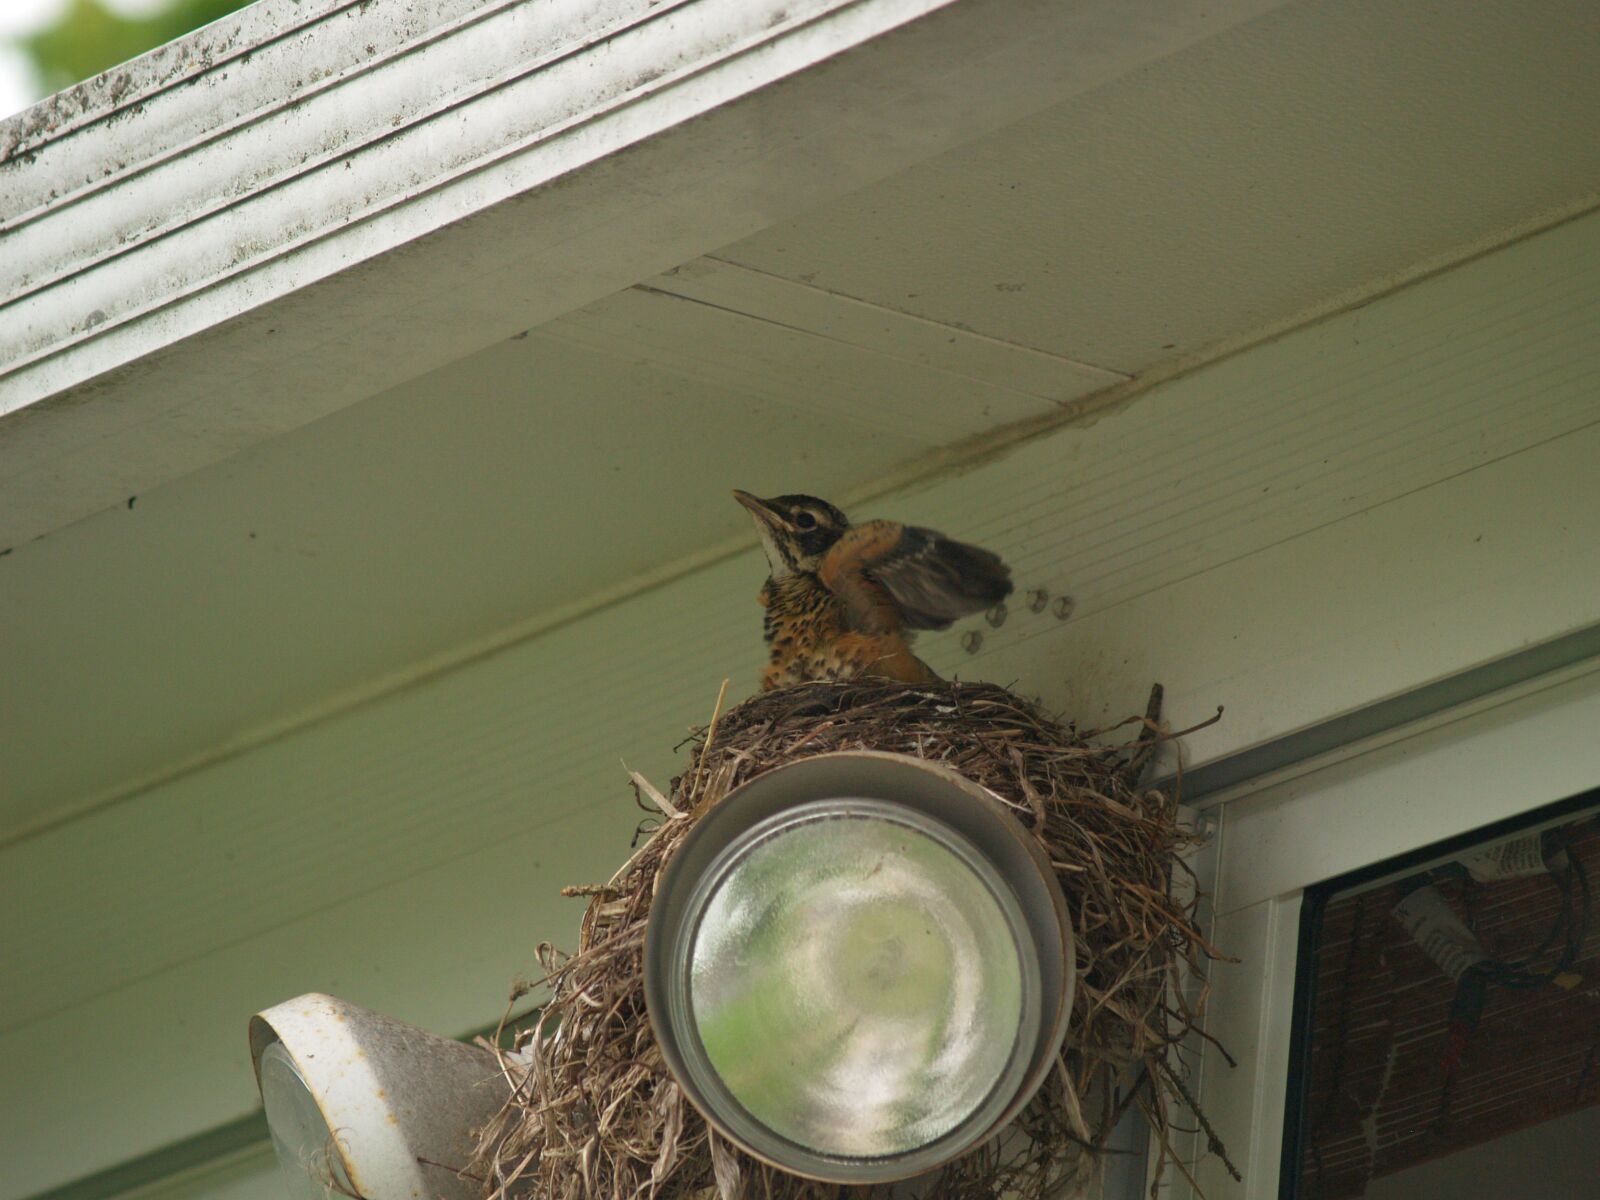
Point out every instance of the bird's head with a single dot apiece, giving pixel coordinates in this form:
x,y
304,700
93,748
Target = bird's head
x,y
796,531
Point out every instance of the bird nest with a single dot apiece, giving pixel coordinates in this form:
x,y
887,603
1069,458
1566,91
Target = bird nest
x,y
596,1114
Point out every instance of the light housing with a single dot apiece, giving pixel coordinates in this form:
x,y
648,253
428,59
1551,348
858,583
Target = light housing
x,y
379,1108
859,966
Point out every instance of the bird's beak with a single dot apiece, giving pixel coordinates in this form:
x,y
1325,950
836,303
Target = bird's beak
x,y
760,509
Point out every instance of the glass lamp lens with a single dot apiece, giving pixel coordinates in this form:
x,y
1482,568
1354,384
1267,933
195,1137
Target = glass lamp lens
x,y
856,983
300,1136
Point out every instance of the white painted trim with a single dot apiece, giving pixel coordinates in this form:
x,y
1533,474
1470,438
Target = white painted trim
x,y
1497,762
1251,1013
238,35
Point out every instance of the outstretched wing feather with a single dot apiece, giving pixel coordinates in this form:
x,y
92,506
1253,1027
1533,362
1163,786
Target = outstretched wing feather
x,y
936,580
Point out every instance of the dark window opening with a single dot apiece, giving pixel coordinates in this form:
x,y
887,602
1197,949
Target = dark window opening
x,y
1447,1021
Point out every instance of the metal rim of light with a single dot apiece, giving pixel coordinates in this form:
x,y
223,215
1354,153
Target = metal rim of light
x,y
924,796
748,1129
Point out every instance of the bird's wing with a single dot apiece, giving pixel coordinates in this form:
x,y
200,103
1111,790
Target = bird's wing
x,y
930,579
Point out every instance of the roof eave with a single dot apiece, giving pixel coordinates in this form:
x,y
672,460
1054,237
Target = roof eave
x,y
275,218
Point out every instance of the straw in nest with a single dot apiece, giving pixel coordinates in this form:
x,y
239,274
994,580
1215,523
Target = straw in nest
x,y
594,1112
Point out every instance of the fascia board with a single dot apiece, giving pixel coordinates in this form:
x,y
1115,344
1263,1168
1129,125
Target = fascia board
x,y
384,187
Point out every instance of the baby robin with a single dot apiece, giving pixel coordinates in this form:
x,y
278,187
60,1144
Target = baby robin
x,y
843,600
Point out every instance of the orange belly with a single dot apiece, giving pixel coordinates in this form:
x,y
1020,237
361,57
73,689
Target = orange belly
x,y
882,656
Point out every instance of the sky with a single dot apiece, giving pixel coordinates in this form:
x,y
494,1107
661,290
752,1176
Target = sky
x,y
21,17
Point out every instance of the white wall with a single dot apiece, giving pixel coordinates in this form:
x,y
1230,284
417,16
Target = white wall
x,y
1349,512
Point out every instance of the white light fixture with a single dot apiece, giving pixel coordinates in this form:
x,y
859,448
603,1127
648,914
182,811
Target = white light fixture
x,y
859,966
373,1106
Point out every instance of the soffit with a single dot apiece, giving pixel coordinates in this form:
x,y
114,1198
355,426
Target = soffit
x,y
1311,151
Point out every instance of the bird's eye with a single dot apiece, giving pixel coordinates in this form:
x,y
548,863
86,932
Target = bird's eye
x,y
804,520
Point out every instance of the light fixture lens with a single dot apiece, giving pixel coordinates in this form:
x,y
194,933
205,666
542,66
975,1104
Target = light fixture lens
x,y
858,980
300,1136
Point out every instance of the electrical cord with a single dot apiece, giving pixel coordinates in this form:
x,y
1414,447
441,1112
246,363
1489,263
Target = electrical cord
x,y
1568,930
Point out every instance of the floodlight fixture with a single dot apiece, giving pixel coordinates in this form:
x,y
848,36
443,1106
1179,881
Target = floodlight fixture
x,y
360,1104
859,966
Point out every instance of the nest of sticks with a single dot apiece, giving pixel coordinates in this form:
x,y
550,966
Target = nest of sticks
x,y
596,1115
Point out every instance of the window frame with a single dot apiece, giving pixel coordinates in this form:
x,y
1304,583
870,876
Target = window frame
x,y
1507,761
